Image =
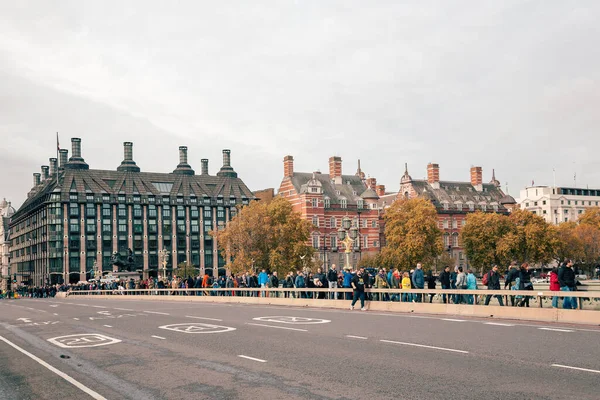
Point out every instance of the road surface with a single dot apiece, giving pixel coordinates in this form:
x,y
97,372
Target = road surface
x,y
138,349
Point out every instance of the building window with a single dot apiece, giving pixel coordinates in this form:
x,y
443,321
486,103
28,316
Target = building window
x,y
455,240
122,211
373,224
207,212
327,203
360,204
471,207
445,205
315,221
152,212
333,222
454,224
315,241
137,211
446,240
544,202
333,240
166,212
366,242
343,203
445,224
315,203
459,206
180,212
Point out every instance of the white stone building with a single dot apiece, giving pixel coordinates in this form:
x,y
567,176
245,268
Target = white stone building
x,y
558,204
6,211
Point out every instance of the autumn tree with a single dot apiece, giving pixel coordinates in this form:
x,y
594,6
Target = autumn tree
x,y
480,238
591,217
266,235
185,269
412,234
530,239
568,243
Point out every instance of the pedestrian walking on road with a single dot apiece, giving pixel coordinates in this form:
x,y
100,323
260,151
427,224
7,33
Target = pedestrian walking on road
x,y
358,285
494,284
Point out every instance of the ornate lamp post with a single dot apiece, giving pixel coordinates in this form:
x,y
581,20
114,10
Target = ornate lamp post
x,y
347,235
164,260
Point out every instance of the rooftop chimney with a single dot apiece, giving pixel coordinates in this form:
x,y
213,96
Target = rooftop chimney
x,y
76,161
45,169
380,189
36,179
433,175
372,183
288,166
183,167
335,169
64,156
128,164
204,163
53,166
226,169
477,178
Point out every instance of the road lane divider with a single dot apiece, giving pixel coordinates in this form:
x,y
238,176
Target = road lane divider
x,y
76,319
108,326
356,337
123,309
252,358
74,382
425,346
159,337
278,327
453,320
576,368
208,319
497,324
556,330
157,312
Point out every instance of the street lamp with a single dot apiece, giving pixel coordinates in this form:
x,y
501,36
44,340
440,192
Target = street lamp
x,y
347,235
165,260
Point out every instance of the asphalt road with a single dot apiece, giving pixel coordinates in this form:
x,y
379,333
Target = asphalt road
x,y
169,350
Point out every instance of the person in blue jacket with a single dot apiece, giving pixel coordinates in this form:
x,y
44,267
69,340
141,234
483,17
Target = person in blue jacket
x,y
418,279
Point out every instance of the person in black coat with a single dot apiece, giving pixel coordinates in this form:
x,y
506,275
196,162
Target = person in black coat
x,y
445,280
430,284
525,283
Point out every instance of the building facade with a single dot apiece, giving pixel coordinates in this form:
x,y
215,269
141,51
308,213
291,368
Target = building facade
x,y
325,200
453,202
75,218
558,204
6,212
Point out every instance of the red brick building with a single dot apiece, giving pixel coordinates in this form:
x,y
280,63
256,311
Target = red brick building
x,y
453,202
325,200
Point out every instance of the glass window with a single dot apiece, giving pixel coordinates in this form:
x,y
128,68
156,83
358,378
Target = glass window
x,y
122,211
315,221
166,212
137,211
315,202
180,212
343,203
152,212
315,241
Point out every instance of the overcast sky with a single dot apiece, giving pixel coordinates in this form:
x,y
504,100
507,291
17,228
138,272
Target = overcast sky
x,y
510,85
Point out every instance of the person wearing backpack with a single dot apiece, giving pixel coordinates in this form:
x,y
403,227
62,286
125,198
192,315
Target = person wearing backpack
x,y
493,283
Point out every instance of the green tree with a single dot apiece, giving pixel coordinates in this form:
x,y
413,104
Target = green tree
x,y
266,235
412,234
480,238
185,269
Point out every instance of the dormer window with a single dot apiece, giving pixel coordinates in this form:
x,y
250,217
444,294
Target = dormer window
x,y
445,205
359,204
327,202
459,206
343,203
314,190
354,193
471,207
338,192
483,207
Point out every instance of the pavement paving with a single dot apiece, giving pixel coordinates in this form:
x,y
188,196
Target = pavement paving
x,y
79,348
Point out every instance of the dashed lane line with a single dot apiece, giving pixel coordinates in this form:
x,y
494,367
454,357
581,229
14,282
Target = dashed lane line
x,y
556,330
108,326
76,319
66,377
157,312
278,327
453,320
576,368
425,346
252,358
208,319
356,337
497,324
158,337
123,309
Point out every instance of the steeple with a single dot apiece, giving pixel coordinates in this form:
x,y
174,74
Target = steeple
x,y
494,181
406,177
359,172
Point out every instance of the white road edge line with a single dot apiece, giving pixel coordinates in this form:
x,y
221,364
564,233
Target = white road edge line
x,y
556,330
157,312
279,327
123,309
253,359
576,368
209,319
356,337
76,319
453,320
497,324
425,346
108,326
66,377
158,337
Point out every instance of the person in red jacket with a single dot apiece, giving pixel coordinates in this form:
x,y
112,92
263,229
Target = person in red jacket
x,y
554,286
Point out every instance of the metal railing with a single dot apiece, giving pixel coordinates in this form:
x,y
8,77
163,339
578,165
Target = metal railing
x,y
437,296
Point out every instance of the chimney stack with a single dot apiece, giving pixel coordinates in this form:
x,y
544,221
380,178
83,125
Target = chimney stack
x,y
36,179
288,166
45,169
128,164
76,161
477,178
335,169
53,166
183,167
226,169
372,183
380,189
204,163
433,175
64,156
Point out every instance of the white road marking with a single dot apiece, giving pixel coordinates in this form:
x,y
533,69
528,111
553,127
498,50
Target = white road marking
x,y
556,330
356,337
83,340
156,312
425,346
25,320
54,305
123,309
55,313
108,326
99,306
76,319
497,324
576,368
253,359
453,320
278,327
209,319
292,320
159,337
66,377
197,327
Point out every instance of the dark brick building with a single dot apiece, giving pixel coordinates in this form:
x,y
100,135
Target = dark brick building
x,y
76,217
